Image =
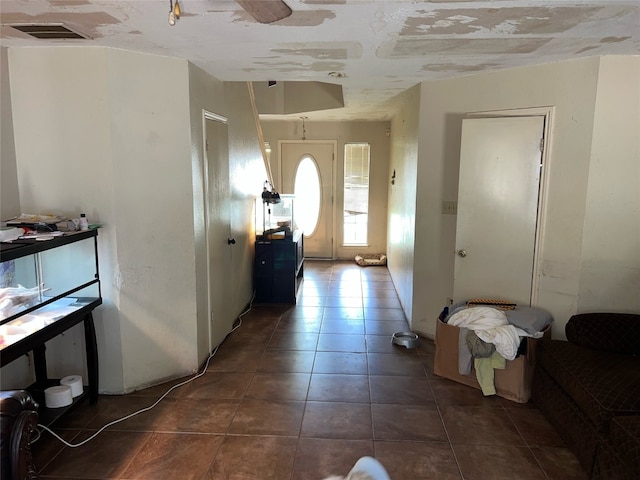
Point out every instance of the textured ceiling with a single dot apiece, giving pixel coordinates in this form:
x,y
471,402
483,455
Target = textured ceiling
x,y
381,47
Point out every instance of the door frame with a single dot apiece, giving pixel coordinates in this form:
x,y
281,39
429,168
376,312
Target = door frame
x,y
543,191
333,180
207,115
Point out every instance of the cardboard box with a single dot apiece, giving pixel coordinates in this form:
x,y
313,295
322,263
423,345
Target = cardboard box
x,y
512,383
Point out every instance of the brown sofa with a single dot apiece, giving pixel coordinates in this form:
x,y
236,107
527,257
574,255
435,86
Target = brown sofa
x,y
18,421
588,387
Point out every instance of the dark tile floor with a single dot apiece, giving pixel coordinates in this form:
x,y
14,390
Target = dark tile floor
x,y
303,392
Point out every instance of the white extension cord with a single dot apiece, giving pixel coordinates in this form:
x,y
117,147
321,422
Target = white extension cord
x,y
146,409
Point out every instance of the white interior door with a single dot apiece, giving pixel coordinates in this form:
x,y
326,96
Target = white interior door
x,y
500,169
319,242
218,218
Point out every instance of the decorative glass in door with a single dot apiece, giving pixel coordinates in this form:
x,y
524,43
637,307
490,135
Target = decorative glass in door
x,y
308,195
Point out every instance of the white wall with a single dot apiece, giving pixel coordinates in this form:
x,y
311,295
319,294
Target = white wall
x,y
9,194
247,173
63,153
402,197
203,93
572,88
374,133
118,135
9,201
152,197
610,266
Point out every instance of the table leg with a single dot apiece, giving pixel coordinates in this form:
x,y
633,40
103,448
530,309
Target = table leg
x,y
92,357
40,366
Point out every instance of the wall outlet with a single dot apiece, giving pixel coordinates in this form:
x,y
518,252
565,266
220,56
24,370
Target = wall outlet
x,y
449,208
450,302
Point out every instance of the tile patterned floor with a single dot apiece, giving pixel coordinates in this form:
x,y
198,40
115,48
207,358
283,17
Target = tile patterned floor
x,y
300,393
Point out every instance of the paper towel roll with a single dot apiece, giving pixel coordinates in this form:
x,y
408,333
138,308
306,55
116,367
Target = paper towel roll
x,y
75,383
58,396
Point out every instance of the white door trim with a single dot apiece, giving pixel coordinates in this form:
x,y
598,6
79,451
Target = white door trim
x,y
333,180
548,114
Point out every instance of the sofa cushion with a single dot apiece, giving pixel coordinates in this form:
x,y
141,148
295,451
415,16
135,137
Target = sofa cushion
x,y
609,332
566,417
624,437
603,384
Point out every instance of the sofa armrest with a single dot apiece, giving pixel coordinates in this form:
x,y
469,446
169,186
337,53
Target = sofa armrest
x,y
609,332
22,466
18,421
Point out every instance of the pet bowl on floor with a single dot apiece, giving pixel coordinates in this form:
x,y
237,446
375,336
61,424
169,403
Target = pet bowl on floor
x,y
406,339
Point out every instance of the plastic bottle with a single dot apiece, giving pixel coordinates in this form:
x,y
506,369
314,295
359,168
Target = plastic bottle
x,y
84,223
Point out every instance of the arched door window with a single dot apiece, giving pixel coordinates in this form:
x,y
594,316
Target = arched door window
x,y
307,192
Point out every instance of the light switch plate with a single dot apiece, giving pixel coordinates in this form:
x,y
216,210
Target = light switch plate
x,y
449,207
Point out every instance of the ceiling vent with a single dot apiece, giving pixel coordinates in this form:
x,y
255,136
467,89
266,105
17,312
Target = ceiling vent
x,y
49,31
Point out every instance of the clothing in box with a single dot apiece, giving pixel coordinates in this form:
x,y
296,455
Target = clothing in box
x,y
512,383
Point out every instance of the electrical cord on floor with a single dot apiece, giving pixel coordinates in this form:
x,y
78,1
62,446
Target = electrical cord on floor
x,y
237,325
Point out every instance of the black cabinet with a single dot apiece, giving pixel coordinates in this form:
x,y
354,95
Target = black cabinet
x,y
279,268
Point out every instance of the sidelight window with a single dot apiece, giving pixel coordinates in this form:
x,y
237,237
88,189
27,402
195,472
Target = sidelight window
x,y
356,193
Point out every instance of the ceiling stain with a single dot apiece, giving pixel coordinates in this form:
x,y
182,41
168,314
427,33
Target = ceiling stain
x,y
417,47
276,63
571,46
280,68
68,3
318,54
300,18
456,67
322,50
514,20
585,49
307,18
287,67
614,39
327,66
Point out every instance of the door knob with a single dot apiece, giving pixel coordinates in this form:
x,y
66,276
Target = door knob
x,y
462,252
231,241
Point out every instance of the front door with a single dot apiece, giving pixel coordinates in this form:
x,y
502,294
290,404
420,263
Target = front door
x,y
318,238
500,169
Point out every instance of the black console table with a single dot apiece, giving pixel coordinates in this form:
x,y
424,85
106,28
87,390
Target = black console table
x,y
64,272
279,268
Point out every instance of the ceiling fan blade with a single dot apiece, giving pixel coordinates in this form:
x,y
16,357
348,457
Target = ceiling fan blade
x,y
266,11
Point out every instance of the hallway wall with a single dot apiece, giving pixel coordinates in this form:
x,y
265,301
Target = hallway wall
x,y
402,197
